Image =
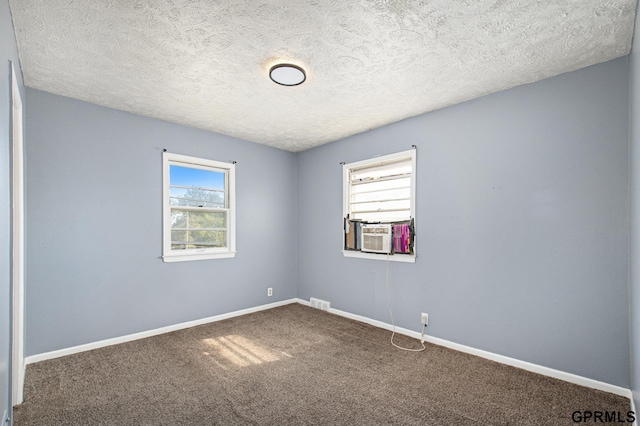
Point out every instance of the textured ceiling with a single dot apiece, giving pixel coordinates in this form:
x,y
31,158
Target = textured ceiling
x,y
205,63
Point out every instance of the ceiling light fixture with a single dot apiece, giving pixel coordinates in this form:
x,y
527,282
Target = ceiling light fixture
x,y
287,74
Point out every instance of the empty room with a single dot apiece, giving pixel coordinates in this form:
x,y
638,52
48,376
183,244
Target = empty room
x,y
319,212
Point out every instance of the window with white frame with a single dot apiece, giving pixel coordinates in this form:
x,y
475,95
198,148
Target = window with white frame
x,y
198,208
379,207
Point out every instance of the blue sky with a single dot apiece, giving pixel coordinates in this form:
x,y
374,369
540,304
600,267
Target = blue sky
x,y
187,176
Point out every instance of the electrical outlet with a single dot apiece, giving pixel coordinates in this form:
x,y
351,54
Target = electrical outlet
x,y
424,320
269,292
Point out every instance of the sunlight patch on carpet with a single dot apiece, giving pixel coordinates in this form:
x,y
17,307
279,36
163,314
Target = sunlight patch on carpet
x,y
238,351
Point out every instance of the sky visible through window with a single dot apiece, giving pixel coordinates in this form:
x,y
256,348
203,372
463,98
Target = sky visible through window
x,y
188,176
196,187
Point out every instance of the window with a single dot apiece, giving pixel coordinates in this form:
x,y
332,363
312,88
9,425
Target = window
x,y
380,191
199,208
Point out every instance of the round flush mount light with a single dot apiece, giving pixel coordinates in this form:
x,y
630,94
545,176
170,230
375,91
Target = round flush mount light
x,y
287,74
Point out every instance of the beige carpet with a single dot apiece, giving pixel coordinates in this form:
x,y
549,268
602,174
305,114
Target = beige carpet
x,y
293,365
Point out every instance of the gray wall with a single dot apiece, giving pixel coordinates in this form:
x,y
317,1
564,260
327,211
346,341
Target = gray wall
x,y
522,224
634,161
94,240
8,52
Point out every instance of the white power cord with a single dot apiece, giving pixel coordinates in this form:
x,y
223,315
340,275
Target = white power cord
x,y
393,325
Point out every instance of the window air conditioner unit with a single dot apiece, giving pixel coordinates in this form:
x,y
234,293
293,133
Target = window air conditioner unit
x,y
376,238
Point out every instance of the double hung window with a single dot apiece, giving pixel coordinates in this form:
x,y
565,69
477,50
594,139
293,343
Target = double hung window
x,y
199,208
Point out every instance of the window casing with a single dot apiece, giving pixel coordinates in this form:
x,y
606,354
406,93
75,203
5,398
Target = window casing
x,y
198,208
381,190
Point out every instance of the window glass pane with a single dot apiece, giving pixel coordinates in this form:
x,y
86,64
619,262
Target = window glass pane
x,y
207,219
196,187
189,176
197,219
178,218
207,239
182,240
196,197
178,237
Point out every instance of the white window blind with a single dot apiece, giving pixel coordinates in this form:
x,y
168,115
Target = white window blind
x,y
381,191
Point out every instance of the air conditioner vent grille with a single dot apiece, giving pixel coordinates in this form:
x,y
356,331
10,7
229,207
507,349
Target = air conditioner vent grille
x,y
376,238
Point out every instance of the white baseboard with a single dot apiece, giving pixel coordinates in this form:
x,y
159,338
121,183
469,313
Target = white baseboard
x,y
128,338
545,371
550,372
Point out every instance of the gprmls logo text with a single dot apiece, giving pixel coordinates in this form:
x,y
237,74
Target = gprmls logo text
x,y
596,416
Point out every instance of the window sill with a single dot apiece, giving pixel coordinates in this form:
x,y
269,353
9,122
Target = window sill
x,y
188,257
406,258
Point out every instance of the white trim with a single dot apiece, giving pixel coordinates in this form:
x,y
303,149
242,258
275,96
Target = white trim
x,y
633,408
407,258
534,368
169,255
130,337
190,256
17,244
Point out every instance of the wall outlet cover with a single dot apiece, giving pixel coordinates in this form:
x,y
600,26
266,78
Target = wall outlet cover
x,y
424,319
